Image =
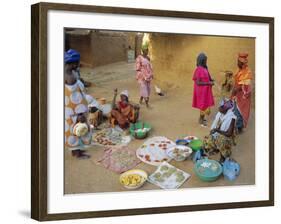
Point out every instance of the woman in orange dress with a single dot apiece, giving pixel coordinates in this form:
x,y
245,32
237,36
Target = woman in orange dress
x,y
242,92
123,112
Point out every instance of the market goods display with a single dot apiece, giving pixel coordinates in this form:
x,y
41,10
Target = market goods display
x,y
110,136
153,151
119,158
179,152
207,169
167,176
196,144
186,140
140,130
133,179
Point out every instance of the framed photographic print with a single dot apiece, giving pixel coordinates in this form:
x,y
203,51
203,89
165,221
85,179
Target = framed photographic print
x,y
139,111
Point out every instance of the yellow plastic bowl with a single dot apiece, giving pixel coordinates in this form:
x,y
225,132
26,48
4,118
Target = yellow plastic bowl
x,y
139,172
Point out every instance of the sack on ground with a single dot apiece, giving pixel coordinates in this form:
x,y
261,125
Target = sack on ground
x,y
231,169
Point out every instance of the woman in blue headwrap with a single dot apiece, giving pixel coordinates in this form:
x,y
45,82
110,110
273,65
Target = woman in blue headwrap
x,y
221,137
72,62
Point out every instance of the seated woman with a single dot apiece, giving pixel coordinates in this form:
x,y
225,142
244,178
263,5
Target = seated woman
x,y
123,113
221,137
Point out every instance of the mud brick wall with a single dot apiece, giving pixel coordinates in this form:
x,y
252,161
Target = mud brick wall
x,y
174,56
100,47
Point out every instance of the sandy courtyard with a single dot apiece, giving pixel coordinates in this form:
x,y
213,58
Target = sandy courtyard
x,y
171,116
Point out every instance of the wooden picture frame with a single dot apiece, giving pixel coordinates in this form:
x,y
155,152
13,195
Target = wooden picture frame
x,y
39,108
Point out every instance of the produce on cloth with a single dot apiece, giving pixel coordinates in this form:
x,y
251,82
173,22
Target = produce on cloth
x,y
133,179
153,151
167,176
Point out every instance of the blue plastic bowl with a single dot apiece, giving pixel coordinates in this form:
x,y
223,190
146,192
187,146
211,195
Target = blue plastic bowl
x,y
182,142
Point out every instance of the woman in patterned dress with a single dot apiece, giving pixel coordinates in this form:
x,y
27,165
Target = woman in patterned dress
x,y
221,137
144,75
76,108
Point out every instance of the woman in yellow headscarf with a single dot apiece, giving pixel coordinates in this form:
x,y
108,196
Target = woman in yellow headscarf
x,y
242,91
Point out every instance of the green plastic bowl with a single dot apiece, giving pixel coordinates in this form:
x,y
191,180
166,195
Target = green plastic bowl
x,y
135,130
196,144
207,174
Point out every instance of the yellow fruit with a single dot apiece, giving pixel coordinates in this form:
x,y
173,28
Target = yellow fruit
x,y
131,180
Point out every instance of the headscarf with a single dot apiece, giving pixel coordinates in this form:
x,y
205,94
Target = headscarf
x,y
125,93
244,74
202,60
144,46
223,121
71,56
123,104
226,103
243,57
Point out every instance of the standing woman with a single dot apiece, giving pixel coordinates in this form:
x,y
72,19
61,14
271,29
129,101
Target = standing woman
x,y
76,108
202,93
242,91
144,75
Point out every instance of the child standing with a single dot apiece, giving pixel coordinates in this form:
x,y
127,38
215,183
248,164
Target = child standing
x,y
227,85
202,93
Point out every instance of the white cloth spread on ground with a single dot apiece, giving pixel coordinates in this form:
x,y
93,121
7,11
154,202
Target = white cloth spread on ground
x,y
223,121
153,151
167,176
110,136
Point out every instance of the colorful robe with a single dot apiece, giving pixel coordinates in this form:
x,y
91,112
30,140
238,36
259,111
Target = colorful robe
x,y
75,103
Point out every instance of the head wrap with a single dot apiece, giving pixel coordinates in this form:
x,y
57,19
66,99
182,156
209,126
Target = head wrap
x,y
125,93
226,103
243,57
144,46
71,56
202,60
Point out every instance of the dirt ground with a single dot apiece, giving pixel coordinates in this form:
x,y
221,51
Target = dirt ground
x,y
171,116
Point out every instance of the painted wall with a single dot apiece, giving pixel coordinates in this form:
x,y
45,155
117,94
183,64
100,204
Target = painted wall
x,y
174,56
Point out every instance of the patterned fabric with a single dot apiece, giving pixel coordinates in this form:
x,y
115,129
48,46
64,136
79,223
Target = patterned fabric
x,y
218,142
144,75
75,103
119,159
145,88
